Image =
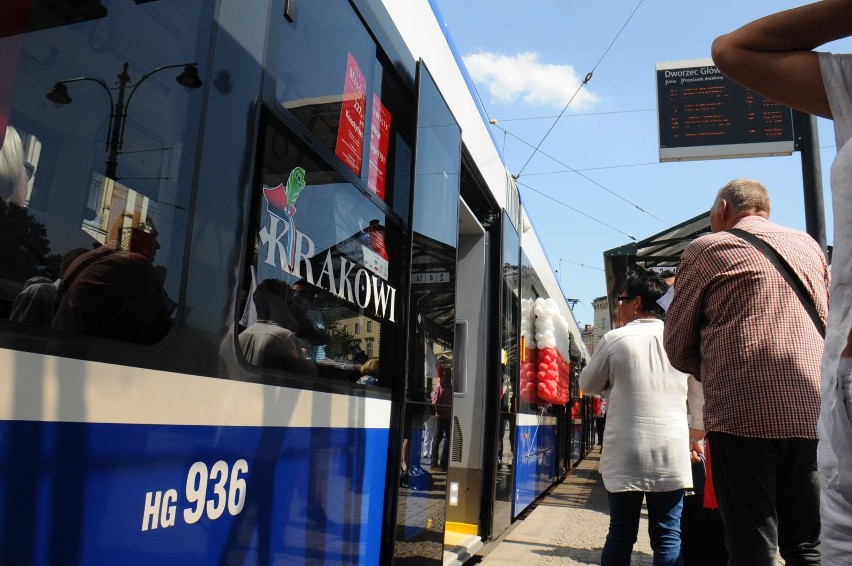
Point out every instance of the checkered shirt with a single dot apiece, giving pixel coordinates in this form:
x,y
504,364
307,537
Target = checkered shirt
x,y
736,324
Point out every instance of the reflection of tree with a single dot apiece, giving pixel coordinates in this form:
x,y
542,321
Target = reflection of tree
x,y
341,342
24,247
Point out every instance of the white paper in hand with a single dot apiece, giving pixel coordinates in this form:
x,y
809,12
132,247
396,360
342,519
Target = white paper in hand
x,y
666,299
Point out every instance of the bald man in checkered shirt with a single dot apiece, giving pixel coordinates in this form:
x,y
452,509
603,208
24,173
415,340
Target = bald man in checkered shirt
x,y
735,324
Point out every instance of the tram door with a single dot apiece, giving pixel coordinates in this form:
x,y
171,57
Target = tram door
x,y
427,425
473,322
503,473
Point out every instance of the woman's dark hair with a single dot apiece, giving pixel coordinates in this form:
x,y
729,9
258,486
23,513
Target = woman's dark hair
x,y
650,287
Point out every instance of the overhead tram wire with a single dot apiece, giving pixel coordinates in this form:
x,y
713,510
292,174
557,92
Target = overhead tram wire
x,y
580,264
578,114
586,177
623,166
587,78
566,205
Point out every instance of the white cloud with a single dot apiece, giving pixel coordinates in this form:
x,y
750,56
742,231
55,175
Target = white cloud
x,y
509,77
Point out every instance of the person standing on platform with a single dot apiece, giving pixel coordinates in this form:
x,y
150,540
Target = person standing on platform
x,y
739,327
599,413
647,437
774,56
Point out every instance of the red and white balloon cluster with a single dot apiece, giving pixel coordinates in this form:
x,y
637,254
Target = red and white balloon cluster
x,y
529,354
545,370
553,370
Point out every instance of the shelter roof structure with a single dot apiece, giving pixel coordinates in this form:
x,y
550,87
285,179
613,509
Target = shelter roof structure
x,y
659,252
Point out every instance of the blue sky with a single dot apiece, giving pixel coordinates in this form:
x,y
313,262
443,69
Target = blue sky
x,y
527,60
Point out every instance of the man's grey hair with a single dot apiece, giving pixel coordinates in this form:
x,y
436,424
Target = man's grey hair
x,y
745,194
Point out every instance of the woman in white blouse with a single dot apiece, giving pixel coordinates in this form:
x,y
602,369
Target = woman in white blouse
x,y
646,448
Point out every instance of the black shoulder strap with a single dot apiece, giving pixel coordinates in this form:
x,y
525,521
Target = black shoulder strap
x,y
787,272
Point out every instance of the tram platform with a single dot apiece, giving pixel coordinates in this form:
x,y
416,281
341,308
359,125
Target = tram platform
x,y
566,527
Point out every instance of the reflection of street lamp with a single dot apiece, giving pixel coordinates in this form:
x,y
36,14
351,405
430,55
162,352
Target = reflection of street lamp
x,y
188,79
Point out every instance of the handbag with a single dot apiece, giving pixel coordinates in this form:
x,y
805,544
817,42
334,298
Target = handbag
x,y
787,272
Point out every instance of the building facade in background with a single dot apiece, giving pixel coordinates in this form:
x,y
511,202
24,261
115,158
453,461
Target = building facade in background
x,y
592,333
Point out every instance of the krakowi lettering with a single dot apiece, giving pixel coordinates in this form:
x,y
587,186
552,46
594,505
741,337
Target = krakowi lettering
x,y
351,282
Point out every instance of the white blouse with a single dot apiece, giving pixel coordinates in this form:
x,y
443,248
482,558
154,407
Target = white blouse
x,y
646,441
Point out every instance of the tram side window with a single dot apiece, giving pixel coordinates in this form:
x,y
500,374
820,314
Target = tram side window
x,y
332,76
98,142
325,266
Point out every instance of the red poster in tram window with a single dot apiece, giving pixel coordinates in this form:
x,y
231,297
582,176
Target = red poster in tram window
x,y
379,136
350,131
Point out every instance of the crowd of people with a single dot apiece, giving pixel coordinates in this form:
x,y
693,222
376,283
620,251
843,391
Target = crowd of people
x,y
749,318
718,398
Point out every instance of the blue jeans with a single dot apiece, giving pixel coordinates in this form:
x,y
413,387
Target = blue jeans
x,y
664,509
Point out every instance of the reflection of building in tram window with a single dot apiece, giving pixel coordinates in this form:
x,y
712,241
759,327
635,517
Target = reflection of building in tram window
x,y
13,170
114,294
269,342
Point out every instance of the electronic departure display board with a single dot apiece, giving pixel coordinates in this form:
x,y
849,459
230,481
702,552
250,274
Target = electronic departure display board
x,y
704,115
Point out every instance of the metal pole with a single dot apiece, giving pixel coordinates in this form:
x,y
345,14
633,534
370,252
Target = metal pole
x,y
812,177
117,126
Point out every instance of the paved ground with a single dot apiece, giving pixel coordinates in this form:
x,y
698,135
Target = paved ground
x,y
567,527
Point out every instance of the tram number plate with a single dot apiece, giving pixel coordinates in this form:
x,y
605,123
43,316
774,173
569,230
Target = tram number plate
x,y
431,277
209,491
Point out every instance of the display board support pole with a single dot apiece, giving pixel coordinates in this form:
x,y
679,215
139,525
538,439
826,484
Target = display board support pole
x,y
807,140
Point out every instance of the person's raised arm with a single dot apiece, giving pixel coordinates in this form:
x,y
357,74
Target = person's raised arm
x,y
774,55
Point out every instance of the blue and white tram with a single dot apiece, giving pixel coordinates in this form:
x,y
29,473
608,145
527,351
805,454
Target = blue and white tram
x,y
261,274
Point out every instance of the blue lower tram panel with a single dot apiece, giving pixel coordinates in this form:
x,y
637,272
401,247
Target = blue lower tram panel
x,y
536,463
75,493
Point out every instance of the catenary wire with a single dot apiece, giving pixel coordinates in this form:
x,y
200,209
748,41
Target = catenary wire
x,y
633,204
580,264
566,205
578,114
586,79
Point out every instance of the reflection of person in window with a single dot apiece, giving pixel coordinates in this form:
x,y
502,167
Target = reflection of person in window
x,y
369,372
269,342
36,304
442,399
114,294
309,325
506,394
